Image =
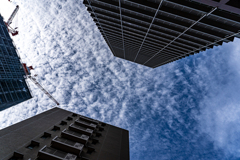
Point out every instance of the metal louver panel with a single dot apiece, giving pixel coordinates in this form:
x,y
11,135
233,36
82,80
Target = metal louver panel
x,y
154,33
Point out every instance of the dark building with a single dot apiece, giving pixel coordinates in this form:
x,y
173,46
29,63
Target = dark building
x,y
157,32
58,134
13,87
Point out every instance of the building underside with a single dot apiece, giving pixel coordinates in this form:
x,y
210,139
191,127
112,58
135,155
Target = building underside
x,y
157,32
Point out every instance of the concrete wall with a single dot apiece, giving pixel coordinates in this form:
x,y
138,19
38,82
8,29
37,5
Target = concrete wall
x,y
113,144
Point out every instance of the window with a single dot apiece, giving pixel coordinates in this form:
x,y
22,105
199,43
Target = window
x,y
16,156
2,99
46,135
1,32
5,41
19,95
9,98
63,123
95,141
74,115
9,51
33,144
69,119
4,50
6,32
90,150
101,129
98,134
1,41
55,128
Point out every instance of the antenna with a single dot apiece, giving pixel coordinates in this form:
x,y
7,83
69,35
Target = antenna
x,y
28,75
13,31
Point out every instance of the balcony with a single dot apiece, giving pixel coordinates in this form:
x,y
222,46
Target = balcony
x,y
67,145
75,136
86,124
80,129
54,154
88,120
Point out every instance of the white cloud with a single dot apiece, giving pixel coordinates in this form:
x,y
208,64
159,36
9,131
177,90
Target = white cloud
x,y
220,116
6,9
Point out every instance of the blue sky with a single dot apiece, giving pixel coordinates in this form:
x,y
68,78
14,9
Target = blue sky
x,y
188,109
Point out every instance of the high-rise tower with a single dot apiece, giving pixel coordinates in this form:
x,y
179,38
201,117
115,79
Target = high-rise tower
x,y
13,87
58,134
157,32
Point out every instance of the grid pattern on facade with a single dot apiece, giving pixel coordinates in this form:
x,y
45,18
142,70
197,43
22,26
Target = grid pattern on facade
x,y
13,88
157,32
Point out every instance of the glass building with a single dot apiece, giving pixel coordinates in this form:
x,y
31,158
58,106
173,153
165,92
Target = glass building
x,y
157,32
13,87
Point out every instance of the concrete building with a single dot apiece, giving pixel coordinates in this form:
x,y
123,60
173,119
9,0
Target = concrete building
x,y
58,134
13,87
157,32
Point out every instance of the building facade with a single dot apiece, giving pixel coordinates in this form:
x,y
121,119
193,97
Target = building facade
x,y
58,134
157,32
13,87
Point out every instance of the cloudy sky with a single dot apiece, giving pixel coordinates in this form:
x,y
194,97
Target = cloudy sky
x,y
189,109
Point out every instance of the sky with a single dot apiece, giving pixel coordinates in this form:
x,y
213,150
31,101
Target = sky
x,y
6,8
185,110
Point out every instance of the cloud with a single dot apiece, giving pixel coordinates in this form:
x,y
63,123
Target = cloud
x,y
221,108
165,109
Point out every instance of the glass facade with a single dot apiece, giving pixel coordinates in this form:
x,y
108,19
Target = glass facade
x,y
13,87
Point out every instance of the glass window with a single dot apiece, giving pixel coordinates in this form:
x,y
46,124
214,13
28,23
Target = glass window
x,y
1,32
6,32
9,98
9,51
2,99
14,96
5,41
1,52
1,41
4,86
19,95
1,20
10,43
4,50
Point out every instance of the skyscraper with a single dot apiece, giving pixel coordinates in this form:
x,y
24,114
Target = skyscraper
x,y
13,87
157,32
58,134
